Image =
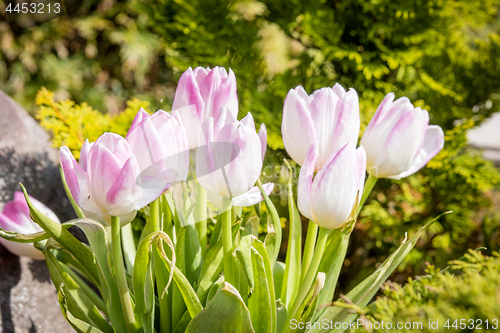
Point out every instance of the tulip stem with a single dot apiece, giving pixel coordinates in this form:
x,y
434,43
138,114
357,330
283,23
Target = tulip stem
x,y
121,279
154,216
200,216
312,232
227,242
369,184
311,273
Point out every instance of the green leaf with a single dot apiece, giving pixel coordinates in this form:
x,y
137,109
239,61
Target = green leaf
x,y
331,263
77,301
97,236
79,325
29,238
364,292
280,315
226,313
212,267
273,237
291,279
259,302
215,288
243,253
278,274
63,237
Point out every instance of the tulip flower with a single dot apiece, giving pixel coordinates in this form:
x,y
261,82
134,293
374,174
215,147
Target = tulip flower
x,y
108,182
329,198
232,162
159,143
399,140
207,90
328,117
16,217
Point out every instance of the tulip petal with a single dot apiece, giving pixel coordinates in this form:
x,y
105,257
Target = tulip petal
x,y
305,181
335,187
153,187
69,167
252,197
139,117
191,121
248,121
263,139
188,93
297,119
433,143
124,193
83,160
361,158
225,95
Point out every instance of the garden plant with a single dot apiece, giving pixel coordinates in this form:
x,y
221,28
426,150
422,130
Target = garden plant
x,y
199,263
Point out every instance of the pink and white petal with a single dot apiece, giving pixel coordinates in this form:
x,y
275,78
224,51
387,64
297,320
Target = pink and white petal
x,y
147,146
188,93
124,193
84,152
22,249
139,117
45,211
14,219
153,187
306,180
297,127
339,90
348,120
225,95
252,197
191,121
104,170
361,159
433,143
263,139
69,166
248,121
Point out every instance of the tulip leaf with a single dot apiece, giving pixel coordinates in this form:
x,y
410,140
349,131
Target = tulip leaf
x,y
28,238
193,304
291,279
214,238
310,300
215,288
331,263
273,237
77,301
243,253
226,313
63,237
280,315
97,236
212,267
79,325
361,295
278,274
259,302
183,323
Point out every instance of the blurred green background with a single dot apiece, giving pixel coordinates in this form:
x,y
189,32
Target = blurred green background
x,y
442,54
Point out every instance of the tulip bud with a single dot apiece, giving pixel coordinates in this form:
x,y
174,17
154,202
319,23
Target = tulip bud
x,y
232,161
16,217
330,117
330,197
399,140
207,90
108,180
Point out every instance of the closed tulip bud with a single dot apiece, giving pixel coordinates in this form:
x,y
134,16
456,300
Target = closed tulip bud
x,y
16,217
200,94
329,198
108,180
159,143
399,140
232,161
328,117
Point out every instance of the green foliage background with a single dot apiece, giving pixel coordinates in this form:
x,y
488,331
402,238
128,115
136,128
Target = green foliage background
x,y
442,54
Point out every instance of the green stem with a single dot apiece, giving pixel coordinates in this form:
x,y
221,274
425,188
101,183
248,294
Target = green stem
x,y
200,215
369,184
311,273
121,279
312,232
154,216
227,242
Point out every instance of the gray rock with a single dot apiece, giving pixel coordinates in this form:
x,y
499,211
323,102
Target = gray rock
x,y
28,299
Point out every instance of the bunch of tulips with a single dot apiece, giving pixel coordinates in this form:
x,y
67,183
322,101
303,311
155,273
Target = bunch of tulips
x,y
199,165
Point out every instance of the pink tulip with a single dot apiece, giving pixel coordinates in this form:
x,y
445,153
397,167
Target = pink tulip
x,y
328,117
232,161
329,198
206,90
108,181
399,140
159,142
16,217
